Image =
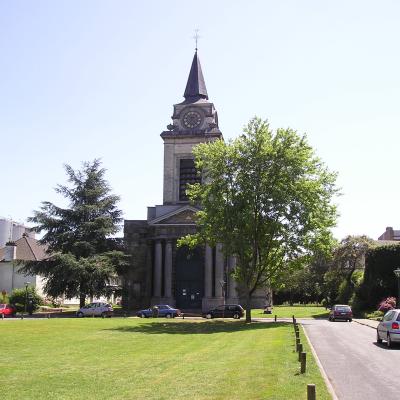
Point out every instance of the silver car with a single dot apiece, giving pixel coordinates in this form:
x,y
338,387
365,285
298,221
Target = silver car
x,y
389,328
99,309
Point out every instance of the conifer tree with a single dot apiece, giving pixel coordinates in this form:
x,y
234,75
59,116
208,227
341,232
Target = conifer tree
x,y
83,257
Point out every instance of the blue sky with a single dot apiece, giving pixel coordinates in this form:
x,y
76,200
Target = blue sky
x,y
87,79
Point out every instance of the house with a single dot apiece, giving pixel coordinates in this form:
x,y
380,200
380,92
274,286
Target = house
x,y
390,234
23,249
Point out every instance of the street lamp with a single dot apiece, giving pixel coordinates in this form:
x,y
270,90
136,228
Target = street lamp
x,y
222,283
397,273
26,295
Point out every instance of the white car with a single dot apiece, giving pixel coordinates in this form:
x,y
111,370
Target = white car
x,y
389,328
95,309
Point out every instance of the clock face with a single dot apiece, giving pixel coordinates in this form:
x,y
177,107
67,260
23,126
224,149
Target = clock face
x,y
191,119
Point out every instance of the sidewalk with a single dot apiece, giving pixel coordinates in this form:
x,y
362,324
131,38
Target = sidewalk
x,y
367,322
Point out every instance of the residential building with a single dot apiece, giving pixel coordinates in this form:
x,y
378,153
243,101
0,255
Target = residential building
x,y
23,249
390,234
10,231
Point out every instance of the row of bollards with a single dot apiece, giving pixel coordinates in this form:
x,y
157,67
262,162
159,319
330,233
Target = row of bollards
x,y
302,357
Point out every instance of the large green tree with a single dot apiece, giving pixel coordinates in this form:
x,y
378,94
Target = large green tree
x,y
83,257
342,277
267,198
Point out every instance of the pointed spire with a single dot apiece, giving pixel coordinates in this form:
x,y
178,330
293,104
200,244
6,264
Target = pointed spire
x,y
195,87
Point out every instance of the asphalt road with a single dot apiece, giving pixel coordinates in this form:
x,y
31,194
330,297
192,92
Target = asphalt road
x,y
357,367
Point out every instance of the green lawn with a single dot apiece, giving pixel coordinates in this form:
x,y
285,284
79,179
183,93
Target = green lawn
x,y
151,359
299,311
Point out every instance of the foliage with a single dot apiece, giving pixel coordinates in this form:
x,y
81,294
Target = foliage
x,y
379,279
387,304
376,315
350,253
305,285
345,273
4,299
83,257
33,300
267,198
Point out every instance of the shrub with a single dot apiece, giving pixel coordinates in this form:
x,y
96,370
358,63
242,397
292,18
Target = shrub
x,y
379,280
4,297
376,315
387,304
18,297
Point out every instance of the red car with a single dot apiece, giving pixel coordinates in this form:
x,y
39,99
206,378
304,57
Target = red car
x,y
7,310
341,311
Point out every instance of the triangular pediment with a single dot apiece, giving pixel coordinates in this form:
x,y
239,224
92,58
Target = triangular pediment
x,y
182,216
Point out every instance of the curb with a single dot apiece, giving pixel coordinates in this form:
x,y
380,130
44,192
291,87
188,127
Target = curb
x,y
363,323
321,368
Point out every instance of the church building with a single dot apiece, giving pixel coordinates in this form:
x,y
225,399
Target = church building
x,y
161,272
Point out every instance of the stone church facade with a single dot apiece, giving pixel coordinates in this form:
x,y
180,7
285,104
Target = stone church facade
x,y
162,273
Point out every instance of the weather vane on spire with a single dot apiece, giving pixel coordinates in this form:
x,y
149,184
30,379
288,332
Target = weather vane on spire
x,y
196,36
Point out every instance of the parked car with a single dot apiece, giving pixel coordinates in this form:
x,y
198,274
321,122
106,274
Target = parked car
x,y
225,311
389,328
99,309
341,311
159,310
7,310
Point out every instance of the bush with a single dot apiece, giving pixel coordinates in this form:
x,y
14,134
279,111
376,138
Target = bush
x,y
4,298
379,279
376,315
387,304
18,297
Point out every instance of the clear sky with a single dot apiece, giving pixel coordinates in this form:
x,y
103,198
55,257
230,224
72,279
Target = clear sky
x,y
87,79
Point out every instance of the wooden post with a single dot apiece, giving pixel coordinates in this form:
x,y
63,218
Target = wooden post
x,y
311,392
297,334
2,316
275,317
297,344
303,361
300,351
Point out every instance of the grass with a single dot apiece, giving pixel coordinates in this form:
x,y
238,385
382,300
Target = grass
x,y
299,311
152,359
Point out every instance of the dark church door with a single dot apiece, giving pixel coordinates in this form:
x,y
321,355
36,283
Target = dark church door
x,y
189,278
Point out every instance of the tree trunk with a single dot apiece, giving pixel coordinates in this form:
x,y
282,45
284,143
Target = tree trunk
x,y
82,299
248,308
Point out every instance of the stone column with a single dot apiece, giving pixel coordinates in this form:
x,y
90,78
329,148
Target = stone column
x,y
208,272
157,269
219,270
168,270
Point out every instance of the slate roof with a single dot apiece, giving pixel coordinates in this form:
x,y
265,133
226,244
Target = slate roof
x,y
195,87
28,249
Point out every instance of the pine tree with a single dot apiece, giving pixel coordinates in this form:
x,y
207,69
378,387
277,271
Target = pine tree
x,y
83,257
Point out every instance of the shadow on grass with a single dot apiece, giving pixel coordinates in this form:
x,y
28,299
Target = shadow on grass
x,y
208,327
319,316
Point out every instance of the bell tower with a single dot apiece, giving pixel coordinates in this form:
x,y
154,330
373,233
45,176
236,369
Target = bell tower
x,y
161,272
194,121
